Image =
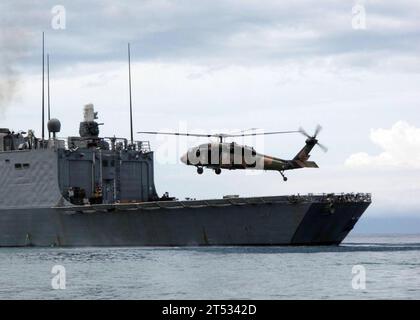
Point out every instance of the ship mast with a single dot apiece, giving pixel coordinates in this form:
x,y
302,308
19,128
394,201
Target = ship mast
x,y
48,91
43,91
129,91
48,86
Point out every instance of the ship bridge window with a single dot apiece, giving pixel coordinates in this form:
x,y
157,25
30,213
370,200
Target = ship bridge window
x,y
20,166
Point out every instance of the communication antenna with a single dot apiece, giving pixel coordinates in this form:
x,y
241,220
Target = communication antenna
x,y
129,90
43,93
48,91
48,86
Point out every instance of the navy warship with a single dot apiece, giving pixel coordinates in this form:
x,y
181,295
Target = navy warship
x,y
89,190
99,191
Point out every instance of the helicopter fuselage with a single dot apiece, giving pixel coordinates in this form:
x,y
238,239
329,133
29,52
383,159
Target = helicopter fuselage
x,y
231,156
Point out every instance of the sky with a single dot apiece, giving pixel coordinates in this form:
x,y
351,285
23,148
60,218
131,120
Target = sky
x,y
224,66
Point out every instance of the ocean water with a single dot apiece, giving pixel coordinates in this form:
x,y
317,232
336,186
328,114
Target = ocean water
x,y
390,265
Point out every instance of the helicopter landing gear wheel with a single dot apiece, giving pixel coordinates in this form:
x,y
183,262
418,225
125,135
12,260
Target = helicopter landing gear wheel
x,y
284,177
218,171
200,170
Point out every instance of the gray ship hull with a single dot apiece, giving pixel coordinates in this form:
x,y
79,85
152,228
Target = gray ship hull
x,y
278,220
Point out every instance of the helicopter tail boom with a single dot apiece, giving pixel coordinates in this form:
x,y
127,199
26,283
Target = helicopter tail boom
x,y
303,155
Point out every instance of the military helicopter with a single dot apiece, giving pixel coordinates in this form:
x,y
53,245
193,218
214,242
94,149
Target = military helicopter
x,y
231,156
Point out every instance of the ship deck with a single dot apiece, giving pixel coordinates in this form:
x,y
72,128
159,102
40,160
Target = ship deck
x,y
225,202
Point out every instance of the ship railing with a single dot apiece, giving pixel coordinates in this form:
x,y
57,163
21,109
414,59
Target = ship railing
x,y
114,144
123,144
333,197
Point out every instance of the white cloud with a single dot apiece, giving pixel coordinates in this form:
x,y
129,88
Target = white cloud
x,y
400,145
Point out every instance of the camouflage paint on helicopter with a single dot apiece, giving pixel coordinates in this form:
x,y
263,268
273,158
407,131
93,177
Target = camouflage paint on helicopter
x,y
232,156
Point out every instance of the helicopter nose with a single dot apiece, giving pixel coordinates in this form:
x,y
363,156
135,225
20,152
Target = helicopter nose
x,y
184,158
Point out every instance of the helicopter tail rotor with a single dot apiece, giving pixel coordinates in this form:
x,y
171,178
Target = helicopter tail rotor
x,y
312,139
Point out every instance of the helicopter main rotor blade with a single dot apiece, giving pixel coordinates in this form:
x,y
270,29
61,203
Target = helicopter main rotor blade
x,y
259,133
219,135
243,131
180,134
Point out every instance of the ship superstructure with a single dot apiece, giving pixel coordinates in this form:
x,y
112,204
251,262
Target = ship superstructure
x,y
86,169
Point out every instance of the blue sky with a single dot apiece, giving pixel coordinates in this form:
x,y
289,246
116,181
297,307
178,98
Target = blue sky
x,y
231,65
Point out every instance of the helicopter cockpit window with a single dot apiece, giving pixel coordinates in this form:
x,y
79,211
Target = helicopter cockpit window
x,y
197,153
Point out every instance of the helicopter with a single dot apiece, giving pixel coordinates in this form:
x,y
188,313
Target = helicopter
x,y
232,156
